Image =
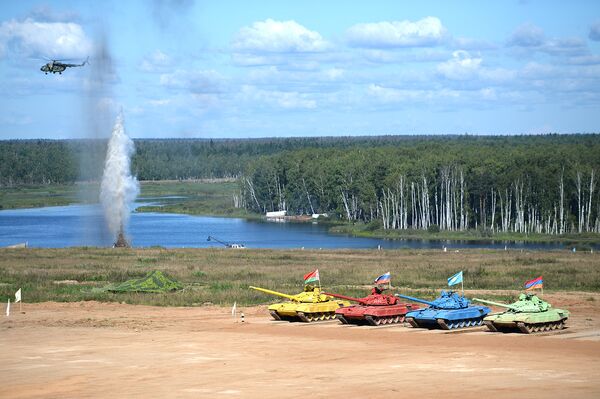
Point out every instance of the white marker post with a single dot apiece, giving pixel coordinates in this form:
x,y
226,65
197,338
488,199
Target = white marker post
x,y
18,299
8,308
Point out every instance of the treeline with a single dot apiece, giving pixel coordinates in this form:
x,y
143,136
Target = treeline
x,y
543,184
68,161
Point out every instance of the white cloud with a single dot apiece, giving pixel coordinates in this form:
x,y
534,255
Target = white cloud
x,y
428,31
155,62
279,99
271,36
530,38
393,95
461,67
159,103
527,35
50,39
196,82
333,73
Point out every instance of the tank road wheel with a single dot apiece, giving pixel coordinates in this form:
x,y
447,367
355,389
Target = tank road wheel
x,y
444,324
491,326
304,318
274,315
373,320
525,328
412,322
397,319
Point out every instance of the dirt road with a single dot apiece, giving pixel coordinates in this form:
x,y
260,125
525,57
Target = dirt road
x,y
89,349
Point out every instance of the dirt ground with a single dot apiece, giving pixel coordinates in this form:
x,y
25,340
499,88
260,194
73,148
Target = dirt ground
x,y
100,350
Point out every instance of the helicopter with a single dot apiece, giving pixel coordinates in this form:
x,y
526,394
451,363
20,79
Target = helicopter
x,y
57,66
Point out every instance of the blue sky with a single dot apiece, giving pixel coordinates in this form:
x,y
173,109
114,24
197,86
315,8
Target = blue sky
x,y
184,68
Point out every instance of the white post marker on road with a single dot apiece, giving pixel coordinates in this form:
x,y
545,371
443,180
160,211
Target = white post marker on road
x,y
18,299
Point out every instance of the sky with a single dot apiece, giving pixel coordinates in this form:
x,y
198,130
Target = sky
x,y
243,69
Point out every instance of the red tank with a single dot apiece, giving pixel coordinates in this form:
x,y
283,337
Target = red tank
x,y
375,309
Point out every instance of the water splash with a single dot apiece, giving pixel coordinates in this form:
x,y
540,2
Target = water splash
x,y
119,188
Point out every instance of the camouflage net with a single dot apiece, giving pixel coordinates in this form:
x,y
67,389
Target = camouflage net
x,y
154,281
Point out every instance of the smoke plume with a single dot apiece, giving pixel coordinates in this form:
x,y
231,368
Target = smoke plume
x,y
118,189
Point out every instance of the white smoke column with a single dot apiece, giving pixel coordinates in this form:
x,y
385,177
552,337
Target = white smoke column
x,y
118,189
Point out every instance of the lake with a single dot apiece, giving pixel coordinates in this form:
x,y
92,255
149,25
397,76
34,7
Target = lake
x,y
83,225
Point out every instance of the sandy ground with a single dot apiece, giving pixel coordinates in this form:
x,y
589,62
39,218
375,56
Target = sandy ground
x,y
80,350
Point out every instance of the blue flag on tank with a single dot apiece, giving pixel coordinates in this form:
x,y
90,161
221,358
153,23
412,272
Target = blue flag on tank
x,y
457,278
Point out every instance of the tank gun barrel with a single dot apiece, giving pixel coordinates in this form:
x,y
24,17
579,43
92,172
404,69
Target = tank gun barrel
x,y
266,291
348,298
410,298
495,303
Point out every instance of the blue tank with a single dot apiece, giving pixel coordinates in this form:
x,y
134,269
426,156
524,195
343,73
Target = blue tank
x,y
448,311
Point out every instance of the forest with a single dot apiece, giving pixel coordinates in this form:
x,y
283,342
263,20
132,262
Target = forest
x,y
526,184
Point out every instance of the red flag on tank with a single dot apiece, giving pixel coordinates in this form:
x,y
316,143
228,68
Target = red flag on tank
x,y
311,277
535,283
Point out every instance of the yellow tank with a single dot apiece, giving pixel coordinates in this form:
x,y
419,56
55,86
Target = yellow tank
x,y
306,306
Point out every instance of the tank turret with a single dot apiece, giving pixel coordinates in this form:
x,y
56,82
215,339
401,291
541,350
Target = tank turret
x,y
307,306
446,300
448,311
306,296
375,309
528,314
526,303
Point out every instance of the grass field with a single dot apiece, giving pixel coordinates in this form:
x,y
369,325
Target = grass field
x,y
221,276
39,196
197,198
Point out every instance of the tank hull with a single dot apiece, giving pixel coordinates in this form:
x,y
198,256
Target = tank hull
x,y
527,322
306,312
448,319
374,315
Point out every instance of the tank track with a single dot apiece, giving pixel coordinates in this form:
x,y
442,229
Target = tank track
x,y
317,316
275,315
541,327
412,322
465,323
342,319
378,321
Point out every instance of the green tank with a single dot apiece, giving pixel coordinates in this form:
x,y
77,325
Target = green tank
x,y
306,306
529,314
